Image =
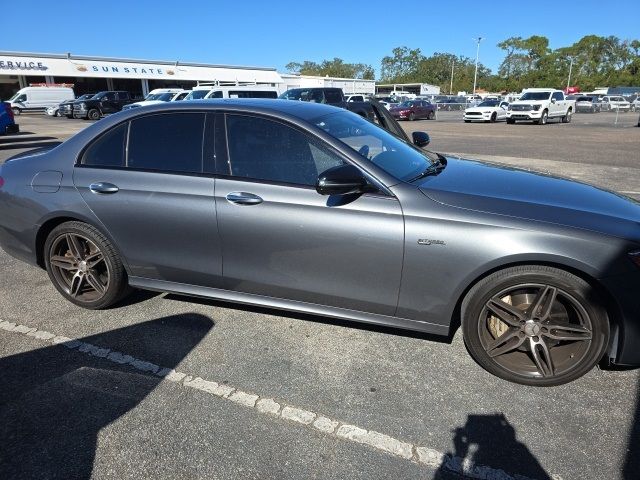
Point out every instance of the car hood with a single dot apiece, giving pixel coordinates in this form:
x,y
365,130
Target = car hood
x,y
518,193
481,109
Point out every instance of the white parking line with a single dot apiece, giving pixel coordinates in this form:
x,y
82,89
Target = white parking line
x,y
268,406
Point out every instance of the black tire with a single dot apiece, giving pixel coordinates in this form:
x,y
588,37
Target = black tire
x,y
567,117
108,270
69,116
493,117
467,121
515,361
93,114
430,115
412,117
511,121
16,111
543,119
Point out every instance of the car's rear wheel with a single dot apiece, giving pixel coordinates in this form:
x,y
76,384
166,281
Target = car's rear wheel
x,y
412,116
567,117
84,267
16,111
535,325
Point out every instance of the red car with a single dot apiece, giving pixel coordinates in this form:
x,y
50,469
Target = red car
x,y
413,110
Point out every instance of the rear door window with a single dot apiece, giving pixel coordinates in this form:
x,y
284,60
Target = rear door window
x,y
108,149
333,96
170,142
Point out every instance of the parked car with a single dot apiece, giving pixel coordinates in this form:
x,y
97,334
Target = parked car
x,y
635,104
39,98
7,121
329,96
158,95
318,210
413,110
588,104
66,107
540,104
618,103
53,111
356,97
240,91
487,111
102,103
452,103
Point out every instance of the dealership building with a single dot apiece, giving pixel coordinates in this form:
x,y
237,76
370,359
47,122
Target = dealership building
x,y
93,74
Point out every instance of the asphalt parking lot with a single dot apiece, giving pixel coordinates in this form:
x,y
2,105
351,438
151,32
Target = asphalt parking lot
x,y
255,393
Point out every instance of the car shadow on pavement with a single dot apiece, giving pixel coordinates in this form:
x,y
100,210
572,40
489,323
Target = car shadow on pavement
x,y
55,400
490,440
35,142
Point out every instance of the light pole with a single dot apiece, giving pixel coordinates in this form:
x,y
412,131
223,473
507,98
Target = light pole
x,y
569,79
453,62
475,75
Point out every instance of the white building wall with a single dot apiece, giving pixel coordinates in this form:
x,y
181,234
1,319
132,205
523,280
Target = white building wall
x,y
348,85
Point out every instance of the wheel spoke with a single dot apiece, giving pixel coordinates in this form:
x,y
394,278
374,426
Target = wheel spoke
x,y
506,342
505,312
557,331
76,284
95,282
75,246
541,356
93,259
65,263
542,305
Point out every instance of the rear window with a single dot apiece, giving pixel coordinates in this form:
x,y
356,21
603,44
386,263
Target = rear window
x,y
108,149
252,94
333,96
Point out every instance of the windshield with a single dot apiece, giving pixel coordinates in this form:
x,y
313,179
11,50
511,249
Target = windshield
x,y
86,96
407,104
584,99
197,94
394,156
535,96
489,103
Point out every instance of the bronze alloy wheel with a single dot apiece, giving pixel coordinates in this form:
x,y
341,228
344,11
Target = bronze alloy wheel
x,y
79,267
535,330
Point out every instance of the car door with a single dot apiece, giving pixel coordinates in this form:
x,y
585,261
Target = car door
x,y
143,180
502,110
282,239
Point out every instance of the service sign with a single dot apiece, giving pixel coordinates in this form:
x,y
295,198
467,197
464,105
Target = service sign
x,y
74,67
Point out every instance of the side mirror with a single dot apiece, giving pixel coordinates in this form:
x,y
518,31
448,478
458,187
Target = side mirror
x,y
341,180
421,139
553,100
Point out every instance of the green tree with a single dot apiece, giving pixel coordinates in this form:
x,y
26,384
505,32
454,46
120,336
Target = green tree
x,y
333,68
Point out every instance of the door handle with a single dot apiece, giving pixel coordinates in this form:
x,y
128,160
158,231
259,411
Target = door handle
x,y
103,187
243,198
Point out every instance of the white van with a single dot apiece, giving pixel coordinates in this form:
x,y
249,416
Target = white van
x,y
238,91
39,98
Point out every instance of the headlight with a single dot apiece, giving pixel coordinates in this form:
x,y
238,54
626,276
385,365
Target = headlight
x,y
535,107
486,112
635,258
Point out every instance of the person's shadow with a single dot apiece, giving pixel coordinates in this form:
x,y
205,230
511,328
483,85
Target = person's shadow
x,y
54,400
490,440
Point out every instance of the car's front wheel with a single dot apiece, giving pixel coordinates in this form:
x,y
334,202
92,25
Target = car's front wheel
x,y
93,114
535,325
83,266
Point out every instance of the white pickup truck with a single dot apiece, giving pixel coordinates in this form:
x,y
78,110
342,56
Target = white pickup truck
x,y
539,105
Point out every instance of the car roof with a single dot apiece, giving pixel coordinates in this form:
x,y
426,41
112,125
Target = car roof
x,y
296,108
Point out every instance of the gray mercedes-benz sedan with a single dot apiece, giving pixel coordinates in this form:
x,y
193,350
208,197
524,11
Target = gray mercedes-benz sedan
x,y
311,208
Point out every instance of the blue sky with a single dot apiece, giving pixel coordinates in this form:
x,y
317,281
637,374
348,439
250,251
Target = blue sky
x,y
274,33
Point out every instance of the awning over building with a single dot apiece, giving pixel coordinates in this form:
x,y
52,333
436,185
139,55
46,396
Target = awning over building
x,y
16,63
